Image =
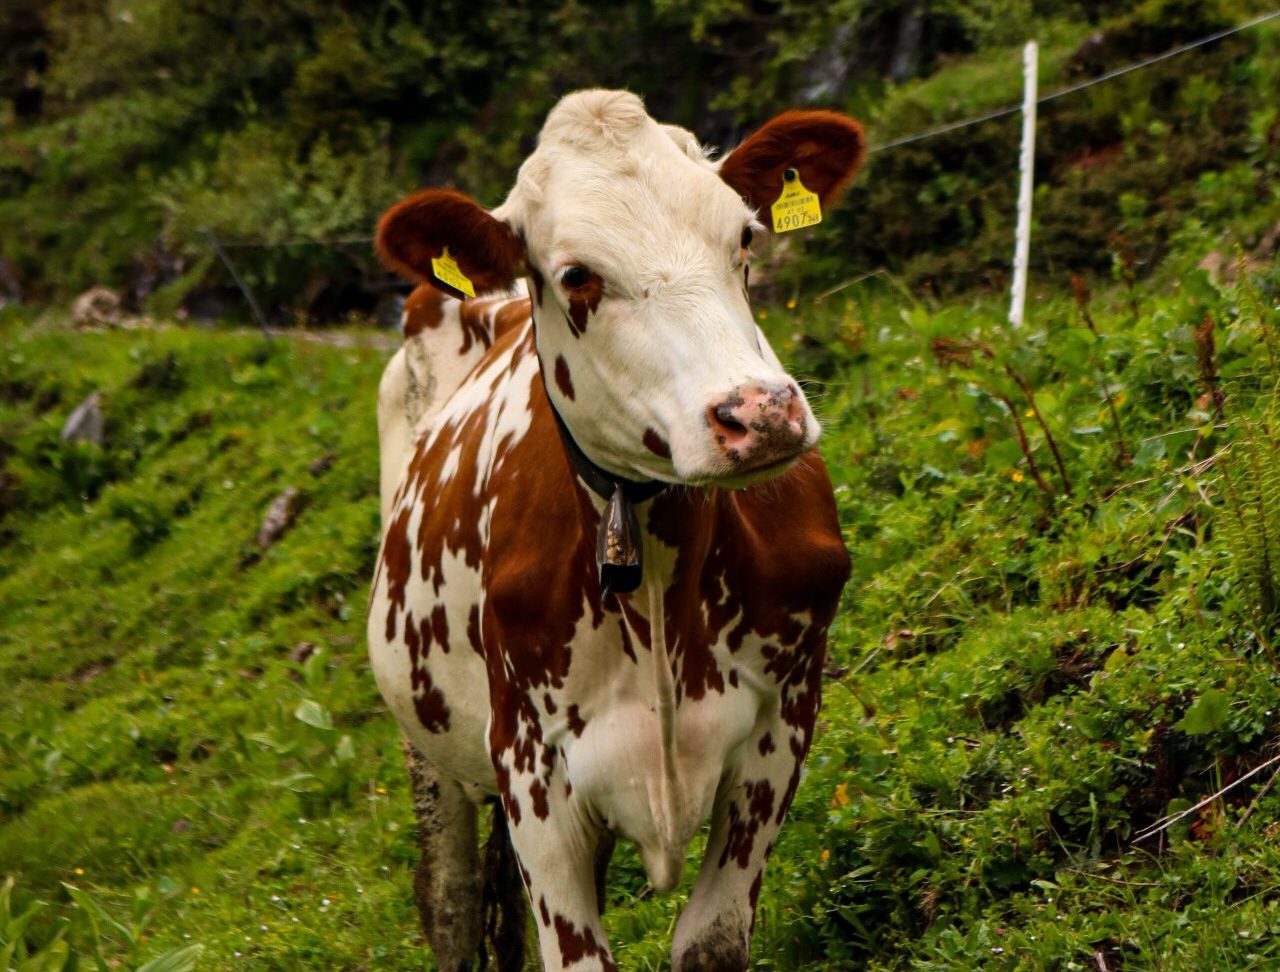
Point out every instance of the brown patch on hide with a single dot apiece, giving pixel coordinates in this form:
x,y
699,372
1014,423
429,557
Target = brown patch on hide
x,y
583,302
423,310
656,444
564,381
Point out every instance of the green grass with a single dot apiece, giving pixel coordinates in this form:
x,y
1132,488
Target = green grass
x,y
1020,682
149,738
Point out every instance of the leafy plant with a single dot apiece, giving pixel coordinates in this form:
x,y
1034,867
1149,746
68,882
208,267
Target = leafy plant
x,y
48,953
21,951
994,371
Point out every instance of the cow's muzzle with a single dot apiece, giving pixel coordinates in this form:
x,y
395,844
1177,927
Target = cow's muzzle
x,y
759,425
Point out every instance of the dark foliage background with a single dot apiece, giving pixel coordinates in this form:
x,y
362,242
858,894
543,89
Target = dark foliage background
x,y
126,126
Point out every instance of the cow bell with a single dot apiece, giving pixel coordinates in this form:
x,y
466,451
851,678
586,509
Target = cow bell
x,y
618,546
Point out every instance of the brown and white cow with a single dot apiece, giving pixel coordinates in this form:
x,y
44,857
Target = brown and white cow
x,y
514,673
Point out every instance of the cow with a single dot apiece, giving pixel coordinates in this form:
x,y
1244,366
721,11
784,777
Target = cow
x,y
610,551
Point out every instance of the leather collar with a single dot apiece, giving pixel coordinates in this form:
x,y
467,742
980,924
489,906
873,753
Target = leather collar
x,y
602,482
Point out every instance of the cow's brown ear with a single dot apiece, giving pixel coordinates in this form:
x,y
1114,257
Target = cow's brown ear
x,y
415,232
825,147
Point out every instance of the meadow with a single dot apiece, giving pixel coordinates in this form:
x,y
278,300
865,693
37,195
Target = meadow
x,y
1051,708
1059,630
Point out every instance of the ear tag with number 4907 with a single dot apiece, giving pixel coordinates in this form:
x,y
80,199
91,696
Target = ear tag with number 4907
x,y
797,207
448,272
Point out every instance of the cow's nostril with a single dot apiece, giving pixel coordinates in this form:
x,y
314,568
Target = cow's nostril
x,y
725,418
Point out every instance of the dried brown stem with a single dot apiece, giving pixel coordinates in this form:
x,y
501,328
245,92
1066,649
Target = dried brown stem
x,y
1023,444
1207,360
1035,410
1080,290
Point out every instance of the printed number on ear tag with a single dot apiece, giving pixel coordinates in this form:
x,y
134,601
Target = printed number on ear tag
x,y
797,207
448,272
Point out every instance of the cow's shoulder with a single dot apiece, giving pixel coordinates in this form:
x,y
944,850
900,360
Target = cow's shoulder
x,y
448,475
763,554
790,531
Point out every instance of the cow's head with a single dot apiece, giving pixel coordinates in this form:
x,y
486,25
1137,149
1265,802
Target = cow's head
x,y
637,248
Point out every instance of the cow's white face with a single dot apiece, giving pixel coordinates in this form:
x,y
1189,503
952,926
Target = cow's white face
x,y
638,255
637,250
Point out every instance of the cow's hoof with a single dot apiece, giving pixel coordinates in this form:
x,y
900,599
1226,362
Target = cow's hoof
x,y
721,948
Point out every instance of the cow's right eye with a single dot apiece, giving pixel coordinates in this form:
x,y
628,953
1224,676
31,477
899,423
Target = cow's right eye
x,y
575,276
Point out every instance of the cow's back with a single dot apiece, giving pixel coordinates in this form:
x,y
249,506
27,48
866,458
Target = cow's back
x,y
444,339
440,434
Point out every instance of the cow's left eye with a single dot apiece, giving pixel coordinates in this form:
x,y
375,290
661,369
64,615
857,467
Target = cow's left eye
x,y
575,276
746,237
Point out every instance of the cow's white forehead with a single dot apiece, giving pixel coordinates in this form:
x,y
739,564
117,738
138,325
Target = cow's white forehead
x,y
607,181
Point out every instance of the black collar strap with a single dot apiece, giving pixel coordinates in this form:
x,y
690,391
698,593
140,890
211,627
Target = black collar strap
x,y
618,541
602,482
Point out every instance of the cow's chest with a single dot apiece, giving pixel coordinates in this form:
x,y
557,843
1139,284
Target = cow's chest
x,y
470,676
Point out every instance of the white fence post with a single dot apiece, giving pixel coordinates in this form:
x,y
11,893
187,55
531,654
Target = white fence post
x,y
1022,243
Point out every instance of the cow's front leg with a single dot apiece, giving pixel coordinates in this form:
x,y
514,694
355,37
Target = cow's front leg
x,y
714,931
557,847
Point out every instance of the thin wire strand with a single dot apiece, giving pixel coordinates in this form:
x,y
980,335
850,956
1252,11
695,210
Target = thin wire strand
x,y
301,241
1073,88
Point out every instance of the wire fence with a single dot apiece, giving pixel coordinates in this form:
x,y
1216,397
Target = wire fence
x,y
220,247
1013,109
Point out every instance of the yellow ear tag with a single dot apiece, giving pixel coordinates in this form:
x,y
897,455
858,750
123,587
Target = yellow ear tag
x,y
448,272
797,207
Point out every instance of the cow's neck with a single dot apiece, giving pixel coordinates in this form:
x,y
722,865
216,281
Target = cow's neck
x,y
619,545
596,478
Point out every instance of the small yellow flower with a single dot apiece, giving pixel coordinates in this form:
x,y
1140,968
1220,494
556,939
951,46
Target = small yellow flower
x,y
826,855
841,797
791,304
79,870
379,789
1016,476
195,890
1029,413
762,315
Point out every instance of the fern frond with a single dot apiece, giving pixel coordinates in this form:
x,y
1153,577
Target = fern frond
x,y
1248,523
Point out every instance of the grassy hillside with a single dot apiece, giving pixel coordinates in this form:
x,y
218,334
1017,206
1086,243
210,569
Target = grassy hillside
x,y
1062,621
166,742
1060,628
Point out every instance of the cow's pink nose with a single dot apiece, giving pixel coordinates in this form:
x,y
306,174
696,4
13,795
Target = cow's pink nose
x,y
758,425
